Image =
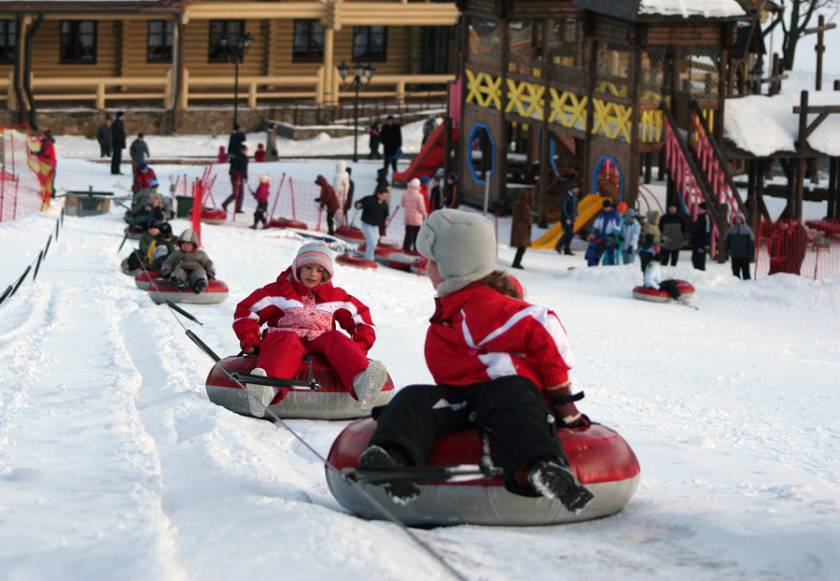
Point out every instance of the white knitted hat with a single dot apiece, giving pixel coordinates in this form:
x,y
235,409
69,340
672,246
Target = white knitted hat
x,y
314,253
462,244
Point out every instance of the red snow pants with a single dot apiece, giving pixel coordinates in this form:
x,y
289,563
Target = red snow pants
x,y
282,352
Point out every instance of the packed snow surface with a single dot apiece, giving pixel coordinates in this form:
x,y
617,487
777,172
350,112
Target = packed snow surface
x,y
688,8
113,463
764,125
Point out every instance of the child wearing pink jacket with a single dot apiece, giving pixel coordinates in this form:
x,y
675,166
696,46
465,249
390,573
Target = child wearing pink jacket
x,y
414,207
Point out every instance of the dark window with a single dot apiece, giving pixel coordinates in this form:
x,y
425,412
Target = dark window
x,y
308,41
159,41
221,32
78,41
370,43
8,40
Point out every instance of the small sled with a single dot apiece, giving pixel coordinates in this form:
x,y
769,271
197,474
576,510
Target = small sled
x,y
286,223
350,234
161,291
660,296
213,215
144,278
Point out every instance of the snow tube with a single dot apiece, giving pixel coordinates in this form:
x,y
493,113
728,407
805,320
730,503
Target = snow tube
x,y
599,457
161,291
286,223
660,296
401,261
419,267
357,261
330,402
349,233
143,279
213,215
382,250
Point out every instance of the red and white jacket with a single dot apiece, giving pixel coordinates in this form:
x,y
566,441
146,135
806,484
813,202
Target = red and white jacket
x,y
478,334
288,305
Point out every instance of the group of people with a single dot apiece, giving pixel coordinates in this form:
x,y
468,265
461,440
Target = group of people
x,y
480,312
236,156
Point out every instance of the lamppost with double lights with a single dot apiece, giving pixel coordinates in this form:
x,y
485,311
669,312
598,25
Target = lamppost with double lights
x,y
362,74
234,47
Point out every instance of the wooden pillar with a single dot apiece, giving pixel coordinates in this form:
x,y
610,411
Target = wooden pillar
x,y
799,194
329,65
23,23
631,192
755,211
500,175
833,189
178,71
592,49
545,132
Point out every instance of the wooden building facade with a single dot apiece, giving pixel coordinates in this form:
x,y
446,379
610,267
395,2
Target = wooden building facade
x,y
171,54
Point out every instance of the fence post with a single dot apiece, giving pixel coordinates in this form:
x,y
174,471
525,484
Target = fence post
x,y
252,95
38,265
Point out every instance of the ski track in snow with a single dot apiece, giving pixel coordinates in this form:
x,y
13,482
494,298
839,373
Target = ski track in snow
x,y
114,464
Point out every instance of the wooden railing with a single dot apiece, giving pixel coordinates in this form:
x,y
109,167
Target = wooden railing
x,y
101,89
7,85
253,88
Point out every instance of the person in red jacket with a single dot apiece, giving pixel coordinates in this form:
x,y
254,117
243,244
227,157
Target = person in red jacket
x,y
329,201
300,311
500,364
261,194
143,177
787,247
49,161
259,155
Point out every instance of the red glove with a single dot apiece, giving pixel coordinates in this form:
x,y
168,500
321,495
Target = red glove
x,y
249,345
561,402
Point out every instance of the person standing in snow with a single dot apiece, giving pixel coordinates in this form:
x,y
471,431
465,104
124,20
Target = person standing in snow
x,y
117,143
259,155
138,151
327,201
518,404
436,194
374,214
520,232
701,237
568,217
605,237
238,178
630,231
222,156
188,266
271,153
374,140
235,143
740,247
391,136
103,137
414,208
673,236
300,311
261,194
341,185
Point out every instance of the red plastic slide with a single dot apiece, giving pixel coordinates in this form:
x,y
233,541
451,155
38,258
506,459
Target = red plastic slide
x,y
430,157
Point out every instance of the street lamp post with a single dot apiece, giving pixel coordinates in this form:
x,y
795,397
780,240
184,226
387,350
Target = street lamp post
x,y
234,47
362,74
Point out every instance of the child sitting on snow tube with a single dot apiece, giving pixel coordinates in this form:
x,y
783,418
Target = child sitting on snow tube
x,y
500,364
300,310
653,279
188,266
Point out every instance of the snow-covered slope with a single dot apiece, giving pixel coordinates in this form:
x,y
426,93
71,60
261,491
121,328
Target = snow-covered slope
x,y
113,464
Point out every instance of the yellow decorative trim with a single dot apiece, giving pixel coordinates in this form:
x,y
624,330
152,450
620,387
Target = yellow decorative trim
x,y
568,109
612,119
483,90
525,98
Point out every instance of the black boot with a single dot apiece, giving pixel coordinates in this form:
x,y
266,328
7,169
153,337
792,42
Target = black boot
x,y
553,479
378,458
200,286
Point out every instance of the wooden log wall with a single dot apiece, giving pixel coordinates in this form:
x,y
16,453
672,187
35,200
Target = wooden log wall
x,y
46,48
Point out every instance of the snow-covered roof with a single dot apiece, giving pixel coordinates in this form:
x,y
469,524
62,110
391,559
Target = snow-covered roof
x,y
763,125
665,10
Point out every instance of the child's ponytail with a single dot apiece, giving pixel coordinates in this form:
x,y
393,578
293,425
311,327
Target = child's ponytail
x,y
503,283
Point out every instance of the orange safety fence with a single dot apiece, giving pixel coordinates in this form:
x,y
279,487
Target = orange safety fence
x,y
810,250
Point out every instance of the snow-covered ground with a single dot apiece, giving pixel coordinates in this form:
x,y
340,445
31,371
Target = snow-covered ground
x,y
113,464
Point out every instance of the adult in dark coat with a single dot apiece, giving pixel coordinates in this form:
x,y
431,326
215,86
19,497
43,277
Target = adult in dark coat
x,y
520,232
235,143
238,178
138,151
740,247
391,136
117,142
787,247
568,216
103,137
701,238
671,226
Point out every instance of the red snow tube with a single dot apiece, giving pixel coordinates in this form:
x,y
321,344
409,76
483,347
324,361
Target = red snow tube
x,y
402,261
357,261
286,223
349,233
143,279
599,457
382,250
330,402
213,215
160,291
660,296
420,266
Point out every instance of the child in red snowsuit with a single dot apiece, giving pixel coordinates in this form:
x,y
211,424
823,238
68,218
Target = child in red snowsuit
x,y
300,311
261,194
259,155
500,364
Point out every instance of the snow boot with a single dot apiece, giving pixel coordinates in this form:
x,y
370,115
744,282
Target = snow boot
x,y
200,286
368,383
552,479
259,396
378,458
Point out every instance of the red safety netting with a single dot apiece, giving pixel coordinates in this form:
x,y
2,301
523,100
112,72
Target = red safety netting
x,y
20,189
810,250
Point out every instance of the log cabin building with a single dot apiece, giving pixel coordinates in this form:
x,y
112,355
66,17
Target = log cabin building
x,y
172,54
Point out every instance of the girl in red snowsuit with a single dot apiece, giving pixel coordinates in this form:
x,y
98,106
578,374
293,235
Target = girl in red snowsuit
x,y
500,364
261,194
300,310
